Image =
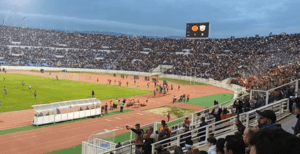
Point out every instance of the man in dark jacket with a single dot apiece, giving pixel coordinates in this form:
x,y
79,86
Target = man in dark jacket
x,y
297,126
147,148
202,130
185,137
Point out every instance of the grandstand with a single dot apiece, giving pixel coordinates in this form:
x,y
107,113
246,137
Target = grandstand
x,y
267,69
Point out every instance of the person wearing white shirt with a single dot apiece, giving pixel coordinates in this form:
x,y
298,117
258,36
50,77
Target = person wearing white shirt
x,y
211,141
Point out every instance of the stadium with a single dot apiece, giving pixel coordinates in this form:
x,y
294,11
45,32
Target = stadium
x,y
70,92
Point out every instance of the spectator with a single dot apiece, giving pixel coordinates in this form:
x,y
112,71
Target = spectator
x,y
162,127
249,132
220,146
188,146
211,141
234,145
202,152
267,119
275,141
238,105
164,134
186,122
119,145
178,150
147,148
202,135
218,115
297,126
224,115
185,137
138,138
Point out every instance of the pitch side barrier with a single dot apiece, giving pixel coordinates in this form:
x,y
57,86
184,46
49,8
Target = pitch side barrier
x,y
224,127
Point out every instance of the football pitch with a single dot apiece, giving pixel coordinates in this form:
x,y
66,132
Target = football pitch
x,y
50,90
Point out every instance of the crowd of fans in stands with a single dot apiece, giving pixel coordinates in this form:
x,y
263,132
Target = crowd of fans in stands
x,y
267,137
210,58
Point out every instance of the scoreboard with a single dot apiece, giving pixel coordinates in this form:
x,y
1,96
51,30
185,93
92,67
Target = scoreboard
x,y
197,30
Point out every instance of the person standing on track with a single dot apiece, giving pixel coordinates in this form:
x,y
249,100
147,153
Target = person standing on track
x,y
5,90
148,84
188,97
111,105
138,86
127,84
154,93
134,81
35,94
174,99
97,79
121,107
171,86
105,108
168,116
178,87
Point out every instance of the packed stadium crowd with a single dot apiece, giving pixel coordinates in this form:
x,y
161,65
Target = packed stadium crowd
x,y
211,58
253,62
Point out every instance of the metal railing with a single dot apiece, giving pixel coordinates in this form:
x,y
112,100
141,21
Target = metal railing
x,y
223,127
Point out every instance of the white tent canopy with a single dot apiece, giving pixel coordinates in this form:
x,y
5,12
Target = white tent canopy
x,y
66,110
65,104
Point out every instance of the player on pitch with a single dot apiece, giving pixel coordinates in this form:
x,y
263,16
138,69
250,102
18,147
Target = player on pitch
x,y
30,87
3,79
23,84
5,90
93,93
35,94
56,77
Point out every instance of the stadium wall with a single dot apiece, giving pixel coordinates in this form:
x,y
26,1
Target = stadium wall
x,y
223,84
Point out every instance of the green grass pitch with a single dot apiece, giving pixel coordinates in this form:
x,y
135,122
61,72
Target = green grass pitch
x,y
50,90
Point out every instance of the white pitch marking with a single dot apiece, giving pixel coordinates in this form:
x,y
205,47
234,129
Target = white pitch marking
x,y
107,120
118,118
